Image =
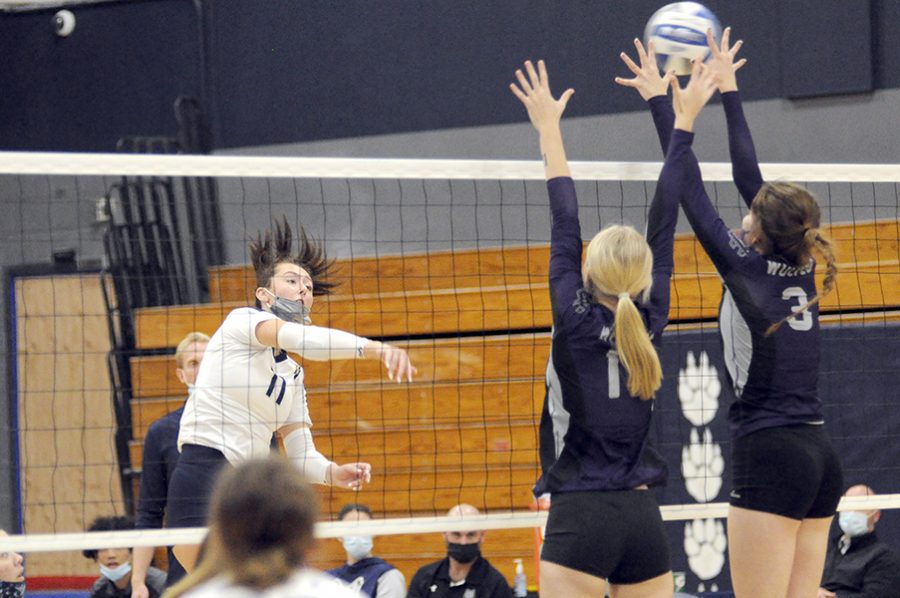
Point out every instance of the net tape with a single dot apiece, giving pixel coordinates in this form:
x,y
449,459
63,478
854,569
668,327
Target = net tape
x,y
53,163
380,527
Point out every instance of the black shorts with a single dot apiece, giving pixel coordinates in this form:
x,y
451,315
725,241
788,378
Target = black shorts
x,y
192,484
791,471
617,535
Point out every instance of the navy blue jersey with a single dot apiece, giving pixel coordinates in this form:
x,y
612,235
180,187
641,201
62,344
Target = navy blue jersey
x,y
158,462
362,575
594,433
774,377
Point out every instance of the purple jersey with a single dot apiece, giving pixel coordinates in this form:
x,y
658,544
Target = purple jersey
x,y
774,377
593,432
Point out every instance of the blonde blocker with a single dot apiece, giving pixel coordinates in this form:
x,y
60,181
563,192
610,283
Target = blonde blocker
x,y
619,264
789,218
261,522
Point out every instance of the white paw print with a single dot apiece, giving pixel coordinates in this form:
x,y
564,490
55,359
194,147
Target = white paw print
x,y
698,389
704,545
702,466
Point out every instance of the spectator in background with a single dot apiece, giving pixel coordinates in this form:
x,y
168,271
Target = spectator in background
x,y
12,573
368,574
858,564
464,572
115,564
159,461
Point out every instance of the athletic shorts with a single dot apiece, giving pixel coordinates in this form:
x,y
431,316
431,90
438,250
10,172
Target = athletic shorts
x,y
192,484
617,535
791,471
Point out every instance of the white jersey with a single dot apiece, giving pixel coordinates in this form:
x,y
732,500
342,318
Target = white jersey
x,y
306,583
245,390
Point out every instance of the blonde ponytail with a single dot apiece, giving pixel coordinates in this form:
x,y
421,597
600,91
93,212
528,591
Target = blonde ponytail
x,y
636,352
619,263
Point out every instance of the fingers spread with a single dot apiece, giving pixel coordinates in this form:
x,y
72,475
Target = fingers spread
x,y
630,64
532,74
542,72
711,42
523,82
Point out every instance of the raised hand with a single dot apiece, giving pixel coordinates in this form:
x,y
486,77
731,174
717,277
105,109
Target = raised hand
x,y
534,93
351,475
647,80
721,60
688,102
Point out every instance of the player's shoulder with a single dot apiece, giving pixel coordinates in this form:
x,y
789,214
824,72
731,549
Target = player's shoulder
x,y
242,317
165,425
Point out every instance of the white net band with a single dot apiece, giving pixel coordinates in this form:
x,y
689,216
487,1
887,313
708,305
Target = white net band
x,y
380,527
356,168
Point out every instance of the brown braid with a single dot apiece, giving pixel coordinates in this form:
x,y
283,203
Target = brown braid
x,y
815,239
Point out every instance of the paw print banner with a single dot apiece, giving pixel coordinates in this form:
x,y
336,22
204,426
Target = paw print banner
x,y
858,381
691,431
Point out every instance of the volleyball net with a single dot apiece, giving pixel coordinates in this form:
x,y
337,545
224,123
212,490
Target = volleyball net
x,y
448,259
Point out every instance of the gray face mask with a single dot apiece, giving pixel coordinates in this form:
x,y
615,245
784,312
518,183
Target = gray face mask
x,y
289,311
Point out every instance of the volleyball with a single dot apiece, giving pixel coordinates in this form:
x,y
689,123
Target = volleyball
x,y
678,31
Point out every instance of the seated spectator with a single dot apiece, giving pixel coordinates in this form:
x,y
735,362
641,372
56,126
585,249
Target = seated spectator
x,y
12,573
115,564
261,518
158,463
464,572
857,562
368,574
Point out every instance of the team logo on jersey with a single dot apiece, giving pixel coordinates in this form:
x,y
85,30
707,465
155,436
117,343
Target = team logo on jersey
x,y
583,301
357,584
737,245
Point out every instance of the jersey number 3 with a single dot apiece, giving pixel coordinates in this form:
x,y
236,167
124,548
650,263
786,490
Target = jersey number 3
x,y
802,321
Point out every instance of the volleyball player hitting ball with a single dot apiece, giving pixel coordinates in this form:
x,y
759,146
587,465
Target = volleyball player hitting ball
x,y
604,371
249,388
786,476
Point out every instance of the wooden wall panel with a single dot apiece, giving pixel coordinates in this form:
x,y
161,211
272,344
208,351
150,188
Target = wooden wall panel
x,y
68,465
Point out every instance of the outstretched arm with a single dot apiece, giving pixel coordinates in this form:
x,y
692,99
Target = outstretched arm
x,y
744,164
723,247
545,114
322,344
652,87
565,236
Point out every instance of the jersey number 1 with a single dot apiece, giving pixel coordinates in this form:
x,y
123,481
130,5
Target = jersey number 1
x,y
273,385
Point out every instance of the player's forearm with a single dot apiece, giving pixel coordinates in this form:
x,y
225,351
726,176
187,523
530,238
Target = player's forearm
x,y
320,344
553,153
141,557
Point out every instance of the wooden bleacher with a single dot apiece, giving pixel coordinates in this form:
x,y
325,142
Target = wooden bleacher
x,y
466,429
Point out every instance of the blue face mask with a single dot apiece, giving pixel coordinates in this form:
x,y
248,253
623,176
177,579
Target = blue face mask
x,y
357,546
854,523
117,573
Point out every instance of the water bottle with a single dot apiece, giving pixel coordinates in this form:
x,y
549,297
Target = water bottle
x,y
520,587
